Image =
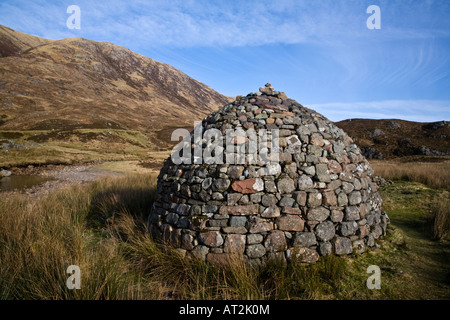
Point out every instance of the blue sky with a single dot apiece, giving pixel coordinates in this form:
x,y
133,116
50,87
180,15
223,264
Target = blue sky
x,y
320,52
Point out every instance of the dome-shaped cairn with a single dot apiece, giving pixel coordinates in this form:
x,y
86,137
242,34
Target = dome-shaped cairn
x,y
310,193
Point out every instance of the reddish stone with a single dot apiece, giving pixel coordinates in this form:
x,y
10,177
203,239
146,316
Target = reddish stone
x,y
300,197
291,210
316,139
329,198
248,186
211,239
240,140
363,231
220,259
363,210
291,223
259,225
271,212
276,241
334,166
234,243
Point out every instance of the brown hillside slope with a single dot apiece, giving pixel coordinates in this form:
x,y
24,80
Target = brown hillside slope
x,y
13,42
390,138
78,83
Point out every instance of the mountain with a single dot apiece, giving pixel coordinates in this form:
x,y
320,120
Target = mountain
x,y
80,83
15,42
76,84
390,138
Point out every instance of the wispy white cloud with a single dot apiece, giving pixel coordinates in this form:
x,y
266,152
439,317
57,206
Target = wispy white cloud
x,y
221,23
412,110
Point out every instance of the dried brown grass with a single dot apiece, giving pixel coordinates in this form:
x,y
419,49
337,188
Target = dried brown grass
x,y
432,174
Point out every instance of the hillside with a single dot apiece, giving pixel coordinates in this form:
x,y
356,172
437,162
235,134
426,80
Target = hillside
x,y
390,138
14,42
81,90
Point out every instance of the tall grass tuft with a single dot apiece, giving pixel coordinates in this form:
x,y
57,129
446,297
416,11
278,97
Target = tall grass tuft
x,y
440,217
432,174
101,228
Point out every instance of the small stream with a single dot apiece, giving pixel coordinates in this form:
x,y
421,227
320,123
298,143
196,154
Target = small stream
x,y
21,182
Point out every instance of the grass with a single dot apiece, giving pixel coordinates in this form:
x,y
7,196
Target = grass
x,y
101,228
73,146
440,217
433,174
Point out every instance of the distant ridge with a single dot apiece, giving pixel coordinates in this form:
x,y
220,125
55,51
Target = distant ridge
x,y
390,138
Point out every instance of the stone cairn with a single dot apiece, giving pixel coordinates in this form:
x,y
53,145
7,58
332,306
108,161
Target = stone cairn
x,y
320,198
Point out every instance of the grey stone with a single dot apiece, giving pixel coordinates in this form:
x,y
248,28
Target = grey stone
x,y
5,173
325,248
348,228
221,185
234,172
258,225
354,198
305,239
268,200
238,221
314,199
325,231
359,245
342,245
211,239
238,230
347,187
255,251
207,183
270,186
286,185
200,252
286,201
309,170
318,214
322,172
233,198
217,196
306,255
255,197
300,197
337,215
342,199
244,200
351,213
172,218
254,238
305,183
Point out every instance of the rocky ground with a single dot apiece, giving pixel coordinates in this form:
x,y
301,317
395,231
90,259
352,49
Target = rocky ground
x,y
62,176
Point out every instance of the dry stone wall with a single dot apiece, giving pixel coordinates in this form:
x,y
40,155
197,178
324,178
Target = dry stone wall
x,y
319,199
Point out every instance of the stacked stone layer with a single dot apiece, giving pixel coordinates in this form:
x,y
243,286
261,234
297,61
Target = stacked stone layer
x,y
321,198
